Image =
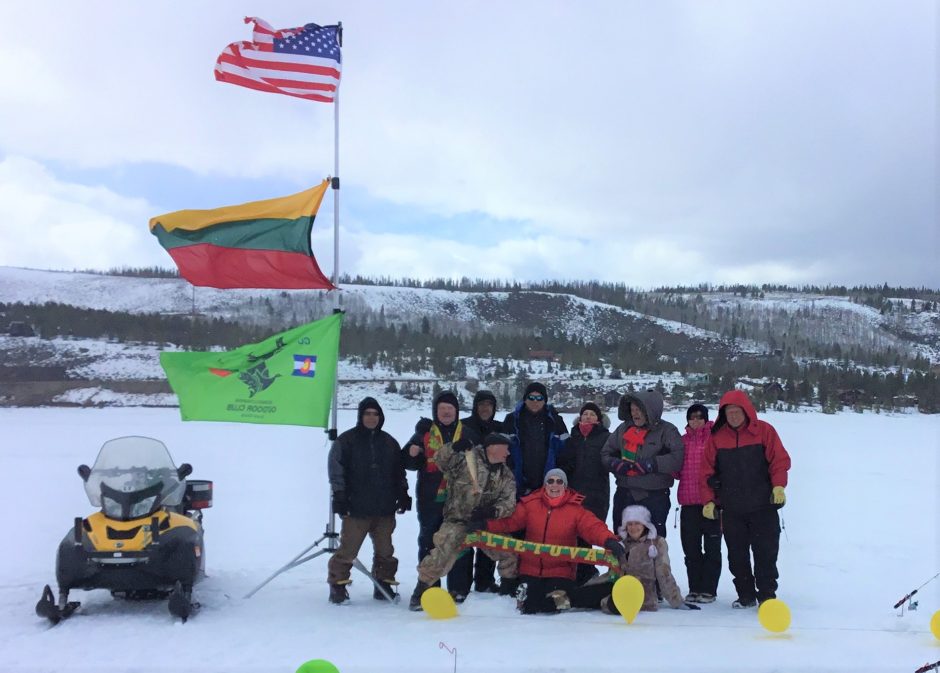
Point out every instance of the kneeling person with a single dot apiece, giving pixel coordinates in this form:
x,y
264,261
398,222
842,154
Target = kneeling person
x,y
479,485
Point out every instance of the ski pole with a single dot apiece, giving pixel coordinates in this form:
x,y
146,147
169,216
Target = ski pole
x,y
910,595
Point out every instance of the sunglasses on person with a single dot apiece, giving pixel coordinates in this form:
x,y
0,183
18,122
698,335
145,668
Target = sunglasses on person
x,y
554,480
535,398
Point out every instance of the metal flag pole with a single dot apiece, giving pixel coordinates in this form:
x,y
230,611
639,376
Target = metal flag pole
x,y
330,534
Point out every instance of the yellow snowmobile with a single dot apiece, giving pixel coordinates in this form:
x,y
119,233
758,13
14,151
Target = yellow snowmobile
x,y
147,540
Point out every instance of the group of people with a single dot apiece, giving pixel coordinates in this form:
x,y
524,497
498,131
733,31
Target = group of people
x,y
529,477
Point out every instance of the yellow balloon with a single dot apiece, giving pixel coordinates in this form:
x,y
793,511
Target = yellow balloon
x,y
438,603
628,597
935,625
774,615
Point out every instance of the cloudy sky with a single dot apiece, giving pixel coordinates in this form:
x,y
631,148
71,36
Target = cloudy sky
x,y
641,142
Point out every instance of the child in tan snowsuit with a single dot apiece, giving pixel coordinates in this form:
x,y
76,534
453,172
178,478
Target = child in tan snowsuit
x,y
648,558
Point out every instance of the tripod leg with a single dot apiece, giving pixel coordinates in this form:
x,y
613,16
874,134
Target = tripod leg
x,y
357,564
290,564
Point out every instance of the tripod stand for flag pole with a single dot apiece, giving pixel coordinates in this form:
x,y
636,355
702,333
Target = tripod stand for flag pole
x,y
330,534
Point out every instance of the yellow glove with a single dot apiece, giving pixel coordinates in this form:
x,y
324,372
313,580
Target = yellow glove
x,y
708,511
779,497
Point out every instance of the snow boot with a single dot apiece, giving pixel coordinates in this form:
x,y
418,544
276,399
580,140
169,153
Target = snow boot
x,y
390,588
742,603
338,594
705,598
508,586
458,597
415,603
560,597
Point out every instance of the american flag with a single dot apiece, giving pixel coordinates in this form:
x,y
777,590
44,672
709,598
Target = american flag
x,y
304,62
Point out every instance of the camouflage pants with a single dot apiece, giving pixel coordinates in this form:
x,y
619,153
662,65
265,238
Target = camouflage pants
x,y
351,537
447,541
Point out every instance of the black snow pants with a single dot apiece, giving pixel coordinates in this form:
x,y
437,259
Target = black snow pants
x,y
757,532
697,534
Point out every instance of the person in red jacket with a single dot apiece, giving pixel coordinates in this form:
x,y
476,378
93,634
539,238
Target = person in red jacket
x,y
701,537
555,515
746,472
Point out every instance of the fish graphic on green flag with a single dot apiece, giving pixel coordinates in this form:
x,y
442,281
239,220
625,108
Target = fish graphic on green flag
x,y
287,379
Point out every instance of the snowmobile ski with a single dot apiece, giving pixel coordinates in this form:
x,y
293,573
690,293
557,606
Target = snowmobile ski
x,y
181,603
48,608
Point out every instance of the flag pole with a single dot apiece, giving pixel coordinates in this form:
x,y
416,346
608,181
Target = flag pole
x,y
335,184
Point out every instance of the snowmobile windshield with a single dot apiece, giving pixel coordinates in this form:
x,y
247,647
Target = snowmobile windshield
x,y
133,477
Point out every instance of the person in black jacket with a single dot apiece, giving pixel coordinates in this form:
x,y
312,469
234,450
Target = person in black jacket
x,y
482,420
430,435
538,433
587,474
367,478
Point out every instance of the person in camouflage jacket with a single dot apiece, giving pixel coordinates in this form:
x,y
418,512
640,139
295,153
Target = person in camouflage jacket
x,y
480,486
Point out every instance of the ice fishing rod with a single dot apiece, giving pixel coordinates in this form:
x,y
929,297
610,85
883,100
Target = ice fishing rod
x,y
935,666
910,595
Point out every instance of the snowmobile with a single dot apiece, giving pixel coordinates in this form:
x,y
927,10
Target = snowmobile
x,y
146,542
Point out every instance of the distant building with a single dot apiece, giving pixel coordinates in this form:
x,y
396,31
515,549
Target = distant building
x,y
548,356
18,328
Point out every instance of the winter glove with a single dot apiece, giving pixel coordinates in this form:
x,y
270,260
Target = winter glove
x,y
708,511
423,426
647,466
461,445
483,512
340,503
615,547
403,504
779,497
689,606
622,467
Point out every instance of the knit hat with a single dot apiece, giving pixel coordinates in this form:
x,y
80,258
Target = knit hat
x,y
447,397
638,514
697,408
495,438
592,407
556,472
537,388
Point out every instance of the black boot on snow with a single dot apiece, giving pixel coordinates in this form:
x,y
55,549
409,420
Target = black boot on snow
x,y
181,603
379,596
415,603
508,586
338,594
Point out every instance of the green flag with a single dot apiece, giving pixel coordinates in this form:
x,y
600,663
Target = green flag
x,y
287,379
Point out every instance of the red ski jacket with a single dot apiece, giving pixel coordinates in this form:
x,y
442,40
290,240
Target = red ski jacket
x,y
746,462
561,524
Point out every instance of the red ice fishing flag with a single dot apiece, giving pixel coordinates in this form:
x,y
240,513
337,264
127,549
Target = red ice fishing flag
x,y
261,244
304,62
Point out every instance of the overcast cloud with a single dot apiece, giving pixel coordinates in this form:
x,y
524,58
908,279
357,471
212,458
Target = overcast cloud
x,y
648,143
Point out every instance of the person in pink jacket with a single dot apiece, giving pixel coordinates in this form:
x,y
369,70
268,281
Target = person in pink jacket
x,y
701,537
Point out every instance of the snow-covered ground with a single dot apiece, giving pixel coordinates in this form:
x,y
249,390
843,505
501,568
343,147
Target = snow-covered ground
x,y
862,526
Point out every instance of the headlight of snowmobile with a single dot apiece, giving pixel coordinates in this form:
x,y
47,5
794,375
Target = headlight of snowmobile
x,y
143,507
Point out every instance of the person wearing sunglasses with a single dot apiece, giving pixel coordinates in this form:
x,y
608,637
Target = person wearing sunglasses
x,y
538,433
555,515
700,536
367,479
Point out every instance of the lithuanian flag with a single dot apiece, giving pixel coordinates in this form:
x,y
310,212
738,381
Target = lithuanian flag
x,y
262,244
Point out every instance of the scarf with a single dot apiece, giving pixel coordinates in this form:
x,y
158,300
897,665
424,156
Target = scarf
x,y
434,442
633,439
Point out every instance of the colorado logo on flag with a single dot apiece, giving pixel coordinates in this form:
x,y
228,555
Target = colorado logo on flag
x,y
305,365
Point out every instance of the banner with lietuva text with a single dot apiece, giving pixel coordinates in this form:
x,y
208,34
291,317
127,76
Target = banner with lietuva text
x,y
287,379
